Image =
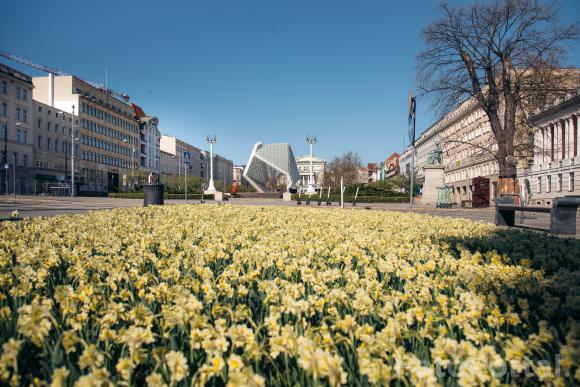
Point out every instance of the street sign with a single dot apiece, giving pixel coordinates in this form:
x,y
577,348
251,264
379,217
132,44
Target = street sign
x,y
411,114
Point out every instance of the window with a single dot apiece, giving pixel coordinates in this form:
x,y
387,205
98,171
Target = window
x,y
539,187
40,142
40,108
24,95
25,139
559,183
4,88
48,124
18,135
18,114
48,142
18,92
24,115
25,161
56,128
548,183
56,145
39,123
4,128
3,109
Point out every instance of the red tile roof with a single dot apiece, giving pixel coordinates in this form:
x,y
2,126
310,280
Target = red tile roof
x,y
138,111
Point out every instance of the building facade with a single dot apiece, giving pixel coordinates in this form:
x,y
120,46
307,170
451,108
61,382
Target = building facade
x,y
52,144
391,166
223,169
180,158
468,145
106,129
195,160
16,132
556,168
149,143
318,167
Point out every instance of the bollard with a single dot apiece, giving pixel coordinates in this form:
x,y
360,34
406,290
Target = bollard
x,y
153,194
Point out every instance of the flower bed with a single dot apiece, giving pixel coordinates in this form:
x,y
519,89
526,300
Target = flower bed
x,y
183,295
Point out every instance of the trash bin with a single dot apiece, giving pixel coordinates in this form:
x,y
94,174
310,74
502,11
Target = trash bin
x,y
153,194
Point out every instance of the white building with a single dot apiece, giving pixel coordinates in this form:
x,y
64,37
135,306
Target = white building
x,y
556,168
468,144
318,166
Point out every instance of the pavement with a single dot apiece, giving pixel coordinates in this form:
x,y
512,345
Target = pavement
x,y
32,206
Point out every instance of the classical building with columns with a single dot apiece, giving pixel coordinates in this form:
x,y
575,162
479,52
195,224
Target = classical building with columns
x,y
556,168
318,166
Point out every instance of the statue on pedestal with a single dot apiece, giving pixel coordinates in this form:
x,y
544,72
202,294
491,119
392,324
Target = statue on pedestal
x,y
435,157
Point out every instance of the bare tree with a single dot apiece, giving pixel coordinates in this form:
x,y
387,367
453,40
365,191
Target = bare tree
x,y
346,166
505,55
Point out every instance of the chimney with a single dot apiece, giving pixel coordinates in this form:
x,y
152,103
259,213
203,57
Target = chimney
x,y
51,89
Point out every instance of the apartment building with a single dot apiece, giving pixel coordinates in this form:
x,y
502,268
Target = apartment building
x,y
52,144
105,127
17,169
149,140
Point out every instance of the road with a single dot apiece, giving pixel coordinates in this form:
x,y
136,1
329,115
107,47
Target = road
x,y
30,206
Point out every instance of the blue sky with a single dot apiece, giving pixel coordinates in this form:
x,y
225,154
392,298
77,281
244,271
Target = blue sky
x,y
245,70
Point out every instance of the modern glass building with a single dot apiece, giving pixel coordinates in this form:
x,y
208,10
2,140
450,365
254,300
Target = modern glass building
x,y
271,166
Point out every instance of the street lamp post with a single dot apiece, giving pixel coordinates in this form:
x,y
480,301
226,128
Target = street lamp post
x,y
72,155
211,140
311,140
185,167
5,161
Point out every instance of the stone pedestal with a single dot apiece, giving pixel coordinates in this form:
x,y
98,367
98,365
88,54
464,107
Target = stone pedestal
x,y
218,196
287,197
434,178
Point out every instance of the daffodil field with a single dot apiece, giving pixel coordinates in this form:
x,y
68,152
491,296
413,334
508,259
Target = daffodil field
x,y
252,296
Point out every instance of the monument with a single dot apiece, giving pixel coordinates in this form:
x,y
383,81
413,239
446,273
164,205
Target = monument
x,y
434,176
